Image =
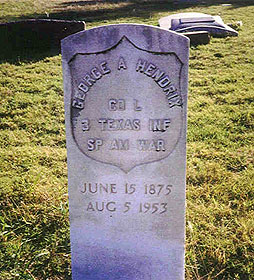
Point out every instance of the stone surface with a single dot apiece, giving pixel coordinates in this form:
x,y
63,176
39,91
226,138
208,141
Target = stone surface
x,y
125,103
198,37
191,22
36,33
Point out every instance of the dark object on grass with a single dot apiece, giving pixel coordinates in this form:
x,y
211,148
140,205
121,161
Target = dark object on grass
x,y
22,36
198,37
237,25
190,22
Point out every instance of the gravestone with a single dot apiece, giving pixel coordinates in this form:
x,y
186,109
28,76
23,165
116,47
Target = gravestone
x,y
125,103
198,37
33,34
194,22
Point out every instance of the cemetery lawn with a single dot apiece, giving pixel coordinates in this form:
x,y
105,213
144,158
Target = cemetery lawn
x,y
34,236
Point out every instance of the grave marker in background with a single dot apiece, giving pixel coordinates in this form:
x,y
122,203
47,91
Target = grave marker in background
x,y
125,102
35,34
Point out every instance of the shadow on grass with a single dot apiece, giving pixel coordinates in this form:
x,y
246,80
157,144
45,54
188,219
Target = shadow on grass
x,y
91,11
108,10
27,55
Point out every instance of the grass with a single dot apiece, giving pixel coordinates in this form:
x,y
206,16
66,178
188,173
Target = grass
x,y
34,238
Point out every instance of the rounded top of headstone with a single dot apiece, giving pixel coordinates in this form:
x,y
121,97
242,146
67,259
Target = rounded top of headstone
x,y
144,37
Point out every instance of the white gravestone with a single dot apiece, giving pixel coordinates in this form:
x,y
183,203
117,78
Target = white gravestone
x,y
125,102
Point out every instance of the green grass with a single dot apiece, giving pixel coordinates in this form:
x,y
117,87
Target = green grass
x,y
34,237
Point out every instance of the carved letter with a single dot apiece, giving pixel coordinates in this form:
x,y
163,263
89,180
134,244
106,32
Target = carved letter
x,y
150,69
164,82
104,68
96,73
121,64
141,66
83,87
157,75
89,80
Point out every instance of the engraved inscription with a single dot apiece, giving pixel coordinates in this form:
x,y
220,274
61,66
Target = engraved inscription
x,y
163,80
94,144
136,105
122,64
119,103
105,194
159,124
98,188
87,82
116,105
119,124
151,145
113,206
120,144
101,206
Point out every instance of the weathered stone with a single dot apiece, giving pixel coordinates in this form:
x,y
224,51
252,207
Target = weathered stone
x,y
125,107
191,22
36,33
198,37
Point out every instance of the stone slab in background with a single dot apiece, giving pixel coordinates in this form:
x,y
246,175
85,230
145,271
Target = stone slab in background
x,y
125,110
192,22
36,34
198,37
